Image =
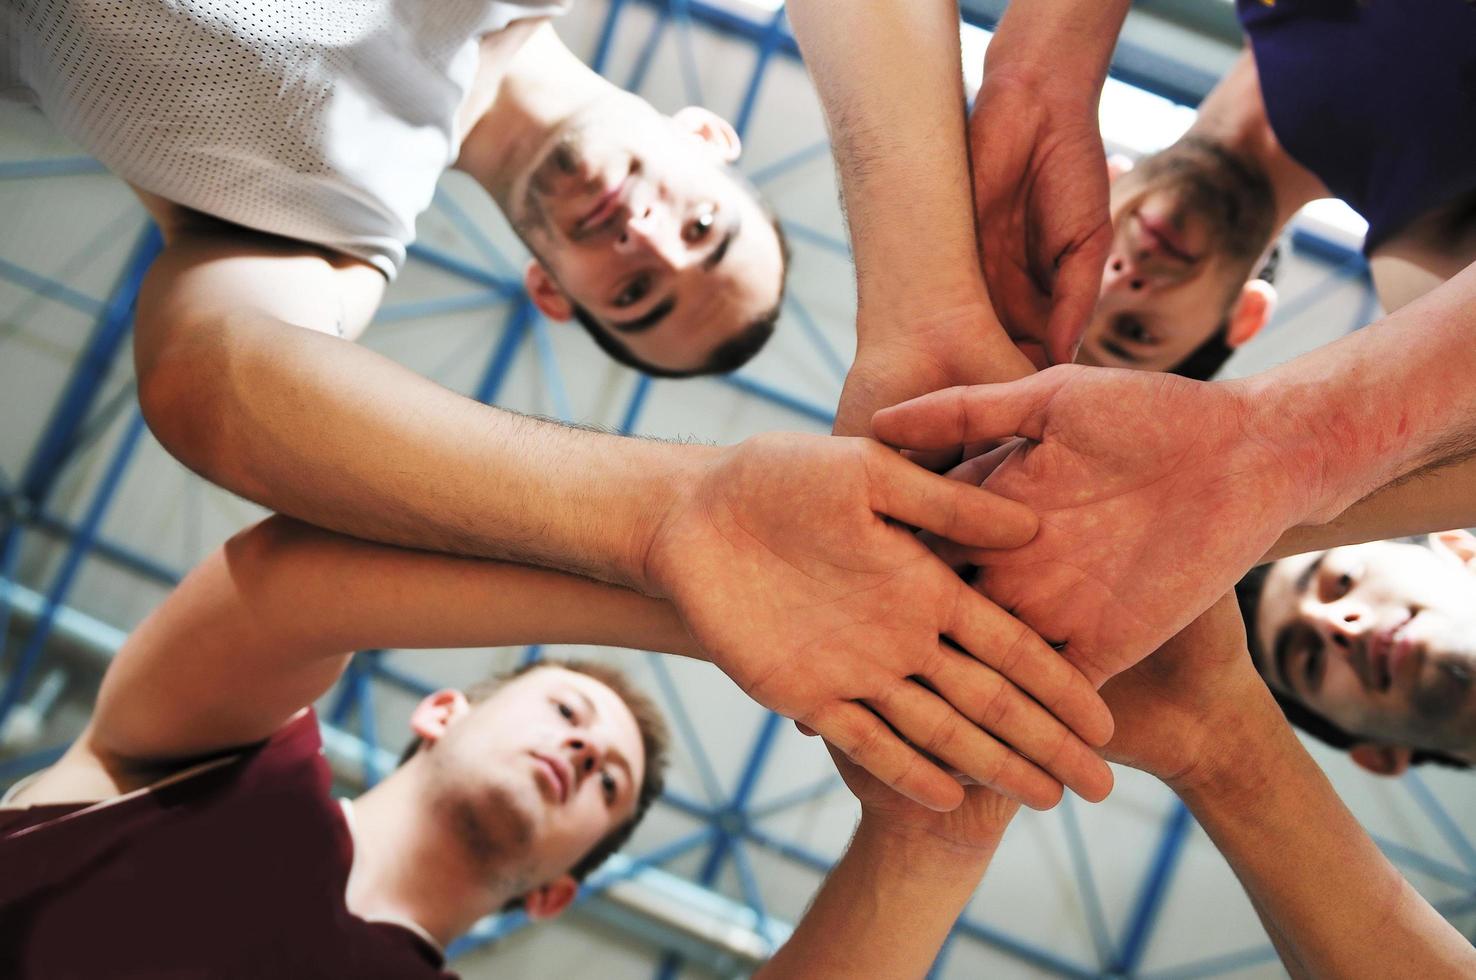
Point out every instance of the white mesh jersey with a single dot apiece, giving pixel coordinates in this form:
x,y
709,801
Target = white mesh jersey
x,y
327,121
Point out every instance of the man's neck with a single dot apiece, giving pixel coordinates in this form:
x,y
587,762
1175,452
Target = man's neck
x,y
1233,117
407,867
516,106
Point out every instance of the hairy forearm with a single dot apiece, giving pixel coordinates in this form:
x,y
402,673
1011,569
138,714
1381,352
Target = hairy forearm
x,y
889,76
1435,499
883,912
306,592
342,437
1391,400
1293,843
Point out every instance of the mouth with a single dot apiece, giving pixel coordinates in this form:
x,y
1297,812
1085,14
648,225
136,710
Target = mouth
x,y
605,208
555,776
1385,652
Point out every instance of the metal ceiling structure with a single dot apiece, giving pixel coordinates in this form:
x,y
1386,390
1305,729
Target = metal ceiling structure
x,y
684,917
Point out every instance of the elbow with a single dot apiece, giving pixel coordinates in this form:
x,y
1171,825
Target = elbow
x,y
181,394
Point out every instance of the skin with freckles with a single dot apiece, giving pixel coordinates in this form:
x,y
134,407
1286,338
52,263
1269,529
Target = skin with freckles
x,y
1379,639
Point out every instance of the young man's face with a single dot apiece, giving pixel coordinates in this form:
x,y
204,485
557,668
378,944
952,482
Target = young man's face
x,y
1187,231
1379,639
635,217
537,774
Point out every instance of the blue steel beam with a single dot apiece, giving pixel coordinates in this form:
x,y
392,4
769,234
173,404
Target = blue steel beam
x,y
1155,888
1085,882
519,320
1451,831
102,499
50,288
53,167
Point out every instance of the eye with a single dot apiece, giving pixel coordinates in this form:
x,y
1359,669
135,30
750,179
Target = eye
x,y
634,291
1334,586
566,711
1131,328
701,226
607,783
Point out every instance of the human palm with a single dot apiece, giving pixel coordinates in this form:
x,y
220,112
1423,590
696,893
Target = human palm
x,y
1040,201
1152,501
791,577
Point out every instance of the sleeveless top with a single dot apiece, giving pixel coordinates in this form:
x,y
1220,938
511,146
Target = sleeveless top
x,y
1375,97
320,120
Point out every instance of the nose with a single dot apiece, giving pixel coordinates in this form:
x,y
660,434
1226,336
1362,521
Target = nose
x,y
1123,275
584,756
652,230
1344,622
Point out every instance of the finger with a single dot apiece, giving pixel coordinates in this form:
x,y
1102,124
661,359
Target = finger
x,y
1010,715
994,637
955,416
867,741
975,470
1077,287
963,514
932,724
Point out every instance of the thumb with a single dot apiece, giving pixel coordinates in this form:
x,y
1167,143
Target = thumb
x,y
1074,296
955,416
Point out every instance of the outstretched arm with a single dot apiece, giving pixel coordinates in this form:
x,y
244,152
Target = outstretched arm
x,y
890,79
1197,715
267,623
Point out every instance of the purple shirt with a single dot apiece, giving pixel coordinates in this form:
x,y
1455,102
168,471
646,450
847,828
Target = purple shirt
x,y
1375,97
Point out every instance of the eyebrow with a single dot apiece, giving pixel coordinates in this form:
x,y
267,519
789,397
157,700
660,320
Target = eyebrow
x,y
648,319
1305,578
721,249
613,754
1281,653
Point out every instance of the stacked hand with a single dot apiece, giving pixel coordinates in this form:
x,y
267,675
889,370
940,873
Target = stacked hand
x,y
1152,500
975,825
1040,198
790,572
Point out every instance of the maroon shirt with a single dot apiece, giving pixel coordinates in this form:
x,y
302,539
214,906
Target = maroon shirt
x,y
235,872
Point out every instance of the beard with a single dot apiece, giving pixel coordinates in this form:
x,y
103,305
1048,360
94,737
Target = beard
x,y
1234,199
493,828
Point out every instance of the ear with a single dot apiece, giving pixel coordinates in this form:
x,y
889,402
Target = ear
x,y
711,129
1117,165
1251,312
1458,546
1382,760
547,901
435,713
545,293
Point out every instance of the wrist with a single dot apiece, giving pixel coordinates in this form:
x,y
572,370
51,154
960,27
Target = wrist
x,y
1029,42
658,541
1241,760
897,842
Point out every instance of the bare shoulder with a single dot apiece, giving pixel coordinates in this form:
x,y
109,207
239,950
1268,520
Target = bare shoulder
x,y
212,267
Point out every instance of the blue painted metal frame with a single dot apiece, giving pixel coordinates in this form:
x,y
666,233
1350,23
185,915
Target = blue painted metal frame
x,y
730,820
